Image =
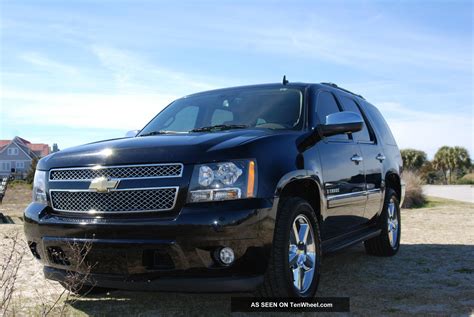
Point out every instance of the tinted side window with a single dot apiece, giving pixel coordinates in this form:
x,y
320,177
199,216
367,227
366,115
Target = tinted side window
x,y
326,104
380,124
350,105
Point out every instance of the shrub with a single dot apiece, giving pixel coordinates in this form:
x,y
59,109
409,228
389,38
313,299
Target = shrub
x,y
17,182
414,197
31,173
467,179
429,175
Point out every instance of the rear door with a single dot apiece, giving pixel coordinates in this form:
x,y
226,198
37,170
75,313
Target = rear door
x,y
373,158
342,173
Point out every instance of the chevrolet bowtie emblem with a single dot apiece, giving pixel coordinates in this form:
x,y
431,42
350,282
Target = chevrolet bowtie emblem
x,y
103,185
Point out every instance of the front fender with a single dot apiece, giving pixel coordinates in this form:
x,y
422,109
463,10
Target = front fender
x,y
302,175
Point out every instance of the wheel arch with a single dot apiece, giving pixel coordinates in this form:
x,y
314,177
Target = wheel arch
x,y
393,181
306,185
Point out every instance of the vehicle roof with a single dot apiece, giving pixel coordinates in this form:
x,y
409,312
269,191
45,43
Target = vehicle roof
x,y
299,85
270,85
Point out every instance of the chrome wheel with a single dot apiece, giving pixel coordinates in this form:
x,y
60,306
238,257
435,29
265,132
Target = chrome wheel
x,y
392,224
302,253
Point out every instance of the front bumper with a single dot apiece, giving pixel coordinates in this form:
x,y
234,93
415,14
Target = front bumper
x,y
154,253
226,284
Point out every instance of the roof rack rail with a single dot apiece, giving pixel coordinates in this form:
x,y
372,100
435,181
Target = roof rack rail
x,y
340,88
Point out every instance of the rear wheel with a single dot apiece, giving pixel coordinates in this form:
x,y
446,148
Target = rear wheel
x,y
294,265
388,242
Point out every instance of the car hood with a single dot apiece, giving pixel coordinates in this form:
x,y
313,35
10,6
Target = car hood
x,y
169,148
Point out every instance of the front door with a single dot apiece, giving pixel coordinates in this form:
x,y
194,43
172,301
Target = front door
x,y
373,157
342,173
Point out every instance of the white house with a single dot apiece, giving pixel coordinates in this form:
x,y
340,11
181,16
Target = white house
x,y
17,155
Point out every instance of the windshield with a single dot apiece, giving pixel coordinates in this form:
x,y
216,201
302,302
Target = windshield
x,y
266,108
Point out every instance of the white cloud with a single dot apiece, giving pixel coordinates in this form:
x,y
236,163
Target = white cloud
x,y
132,72
142,90
105,111
421,50
428,131
47,64
362,42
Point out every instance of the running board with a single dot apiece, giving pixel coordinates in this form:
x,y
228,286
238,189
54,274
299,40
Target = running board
x,y
339,243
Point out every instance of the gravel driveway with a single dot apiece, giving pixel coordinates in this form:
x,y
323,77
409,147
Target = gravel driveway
x,y
457,192
433,274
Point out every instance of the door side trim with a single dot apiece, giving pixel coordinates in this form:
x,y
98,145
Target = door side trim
x,y
346,199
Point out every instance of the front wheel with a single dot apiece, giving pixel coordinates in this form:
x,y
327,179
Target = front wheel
x,y
294,266
388,242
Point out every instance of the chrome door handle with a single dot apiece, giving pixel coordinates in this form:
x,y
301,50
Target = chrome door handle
x,y
356,158
380,157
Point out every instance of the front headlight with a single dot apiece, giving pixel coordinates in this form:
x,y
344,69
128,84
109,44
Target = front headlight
x,y
223,181
39,187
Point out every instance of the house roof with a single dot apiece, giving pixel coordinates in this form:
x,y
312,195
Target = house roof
x,y
31,149
4,142
40,148
26,142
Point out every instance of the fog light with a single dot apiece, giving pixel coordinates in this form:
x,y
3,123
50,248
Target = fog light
x,y
215,194
201,195
225,256
34,250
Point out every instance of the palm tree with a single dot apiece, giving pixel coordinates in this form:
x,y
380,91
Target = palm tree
x,y
450,159
413,159
461,159
441,161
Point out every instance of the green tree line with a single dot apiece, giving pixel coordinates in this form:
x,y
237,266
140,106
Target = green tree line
x,y
450,165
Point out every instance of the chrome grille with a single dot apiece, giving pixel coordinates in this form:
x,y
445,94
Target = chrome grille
x,y
122,172
118,201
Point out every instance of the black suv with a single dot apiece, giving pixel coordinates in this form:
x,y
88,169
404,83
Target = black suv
x,y
235,189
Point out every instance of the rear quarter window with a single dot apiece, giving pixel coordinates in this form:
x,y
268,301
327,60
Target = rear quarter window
x,y
381,126
350,105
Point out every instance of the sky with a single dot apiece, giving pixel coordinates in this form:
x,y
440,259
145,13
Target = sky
x,y
74,72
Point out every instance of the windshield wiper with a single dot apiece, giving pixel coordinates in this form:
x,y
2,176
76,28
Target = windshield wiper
x,y
157,133
220,127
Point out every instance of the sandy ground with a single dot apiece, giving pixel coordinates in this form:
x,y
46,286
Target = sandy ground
x,y
433,274
457,192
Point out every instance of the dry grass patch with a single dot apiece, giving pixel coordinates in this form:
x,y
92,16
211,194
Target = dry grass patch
x,y
414,197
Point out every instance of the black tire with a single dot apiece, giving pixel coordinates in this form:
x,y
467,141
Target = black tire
x,y
85,290
381,245
278,281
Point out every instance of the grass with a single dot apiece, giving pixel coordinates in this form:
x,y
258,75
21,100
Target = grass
x,y
19,183
467,179
17,198
433,202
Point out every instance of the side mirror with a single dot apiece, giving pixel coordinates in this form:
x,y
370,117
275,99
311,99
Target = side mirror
x,y
341,122
132,133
